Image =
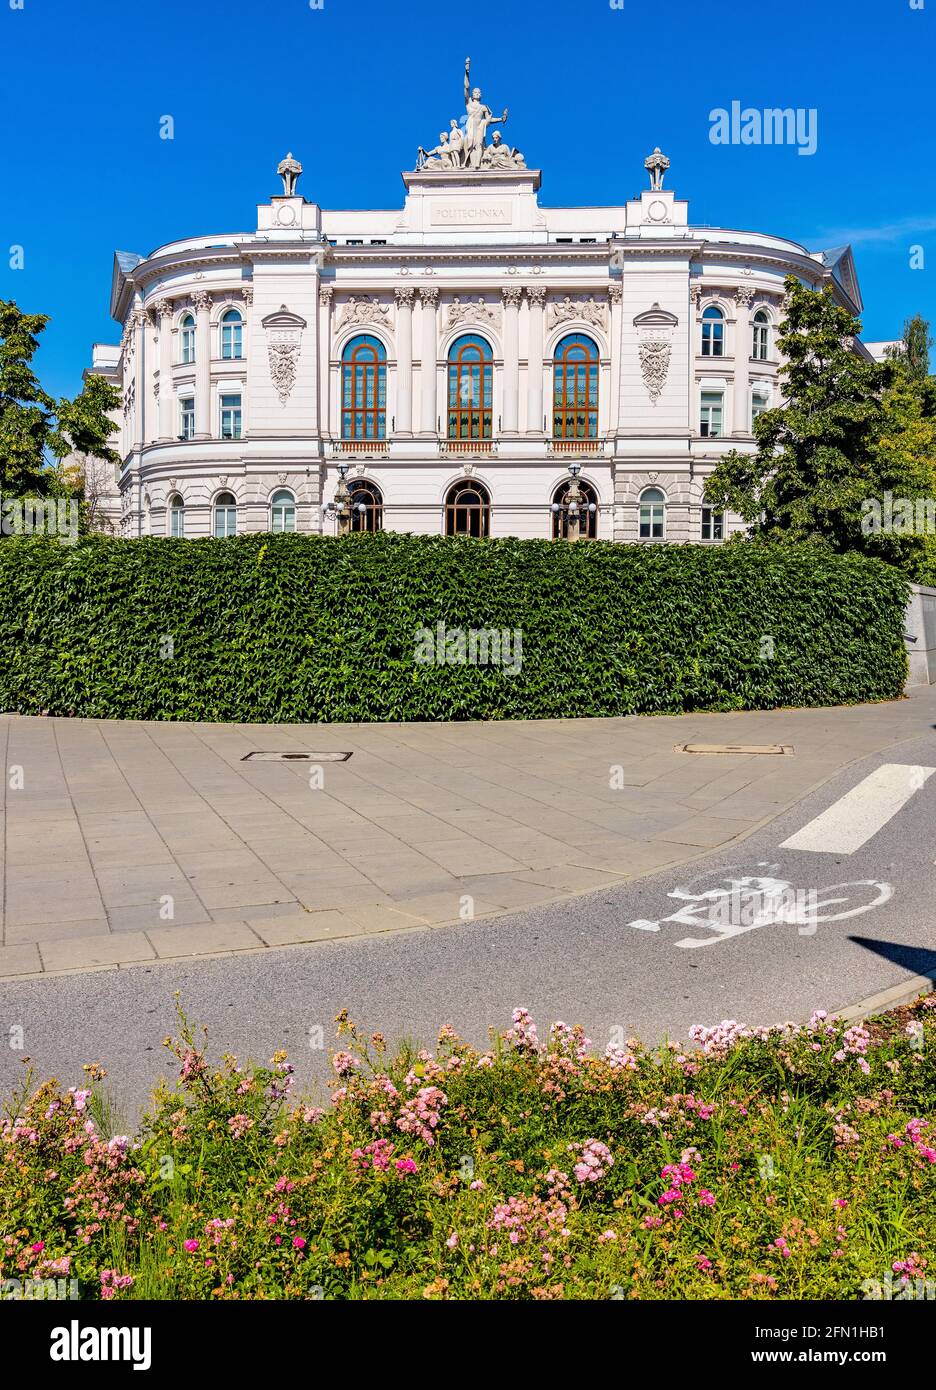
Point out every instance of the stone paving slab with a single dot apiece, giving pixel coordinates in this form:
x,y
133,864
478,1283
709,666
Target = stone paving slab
x,y
139,841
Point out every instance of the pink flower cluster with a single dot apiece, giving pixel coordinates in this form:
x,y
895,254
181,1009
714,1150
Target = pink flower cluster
x,y
522,1036
855,1044
112,1282
420,1115
239,1125
594,1160
619,1059
914,1131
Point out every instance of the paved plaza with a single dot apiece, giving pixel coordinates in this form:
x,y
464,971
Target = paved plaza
x,y
128,841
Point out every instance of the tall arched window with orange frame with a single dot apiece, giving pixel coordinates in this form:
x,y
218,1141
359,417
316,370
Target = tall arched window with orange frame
x,y
575,388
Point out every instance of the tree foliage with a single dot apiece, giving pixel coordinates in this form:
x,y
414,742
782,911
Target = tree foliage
x,y
36,429
850,430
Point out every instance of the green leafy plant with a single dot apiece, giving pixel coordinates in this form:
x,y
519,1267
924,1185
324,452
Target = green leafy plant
x,y
277,628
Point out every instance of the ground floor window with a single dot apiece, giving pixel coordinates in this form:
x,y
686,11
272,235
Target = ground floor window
x,y
366,506
282,511
467,510
652,514
586,520
713,524
225,515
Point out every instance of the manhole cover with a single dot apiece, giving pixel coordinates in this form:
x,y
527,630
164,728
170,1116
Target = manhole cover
x,y
295,757
774,749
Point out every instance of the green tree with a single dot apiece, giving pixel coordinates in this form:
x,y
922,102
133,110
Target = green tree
x,y
850,430
914,347
35,429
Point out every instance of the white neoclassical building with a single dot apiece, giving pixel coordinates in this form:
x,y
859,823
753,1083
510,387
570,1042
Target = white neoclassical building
x,y
449,366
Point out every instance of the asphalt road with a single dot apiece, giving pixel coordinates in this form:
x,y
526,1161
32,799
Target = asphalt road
x,y
581,961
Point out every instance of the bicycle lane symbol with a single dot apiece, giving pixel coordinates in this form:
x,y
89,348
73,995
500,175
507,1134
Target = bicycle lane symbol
x,y
741,902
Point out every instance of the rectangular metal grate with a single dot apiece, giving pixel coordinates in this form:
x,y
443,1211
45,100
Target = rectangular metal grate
x,y
295,757
772,749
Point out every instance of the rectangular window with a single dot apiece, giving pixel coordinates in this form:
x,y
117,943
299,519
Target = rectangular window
x,y
564,240
230,417
713,524
378,243
710,415
187,417
759,403
355,241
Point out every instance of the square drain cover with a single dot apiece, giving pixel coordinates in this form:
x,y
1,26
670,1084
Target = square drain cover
x,y
295,758
776,749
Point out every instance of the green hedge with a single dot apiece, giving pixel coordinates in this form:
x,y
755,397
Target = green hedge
x,y
304,628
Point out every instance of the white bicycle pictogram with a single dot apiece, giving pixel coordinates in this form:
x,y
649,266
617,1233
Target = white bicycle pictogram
x,y
736,905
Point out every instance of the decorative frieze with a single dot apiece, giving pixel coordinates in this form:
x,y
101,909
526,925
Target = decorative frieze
x,y
364,311
479,312
585,310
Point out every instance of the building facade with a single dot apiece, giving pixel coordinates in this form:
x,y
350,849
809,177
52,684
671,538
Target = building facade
x,y
450,366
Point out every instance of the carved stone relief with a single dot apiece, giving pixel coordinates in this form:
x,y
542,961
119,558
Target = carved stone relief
x,y
284,339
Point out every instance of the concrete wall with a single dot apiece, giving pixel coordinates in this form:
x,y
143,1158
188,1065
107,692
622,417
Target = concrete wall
x,y
921,635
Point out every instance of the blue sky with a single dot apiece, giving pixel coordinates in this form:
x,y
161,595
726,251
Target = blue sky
x,y
353,88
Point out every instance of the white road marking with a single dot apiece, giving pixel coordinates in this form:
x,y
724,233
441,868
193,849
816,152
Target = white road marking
x,y
852,820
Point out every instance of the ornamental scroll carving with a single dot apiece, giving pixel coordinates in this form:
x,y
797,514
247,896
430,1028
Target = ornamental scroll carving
x,y
364,311
654,347
284,339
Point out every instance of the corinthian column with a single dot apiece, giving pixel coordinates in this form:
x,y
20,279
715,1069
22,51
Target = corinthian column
x,y
742,353
404,336
202,302
428,298
166,393
510,416
536,296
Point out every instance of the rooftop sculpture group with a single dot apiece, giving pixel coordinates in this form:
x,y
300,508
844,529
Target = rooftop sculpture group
x,y
464,145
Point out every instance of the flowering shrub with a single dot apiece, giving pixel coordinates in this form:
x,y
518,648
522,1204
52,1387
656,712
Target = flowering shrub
x,y
761,1163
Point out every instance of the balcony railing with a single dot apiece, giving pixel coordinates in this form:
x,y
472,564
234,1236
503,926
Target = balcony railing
x,y
462,447
589,448
370,448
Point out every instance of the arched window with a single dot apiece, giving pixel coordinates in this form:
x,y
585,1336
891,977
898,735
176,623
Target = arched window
x,y
364,389
467,509
366,506
713,332
282,511
652,514
225,515
586,520
232,334
187,338
176,516
470,373
575,388
761,344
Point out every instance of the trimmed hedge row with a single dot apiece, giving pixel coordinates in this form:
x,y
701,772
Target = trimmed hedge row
x,y
306,629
